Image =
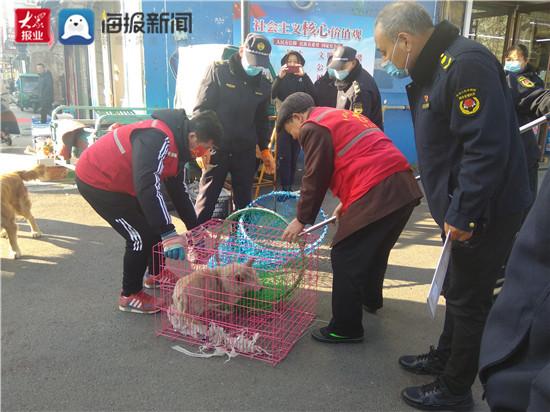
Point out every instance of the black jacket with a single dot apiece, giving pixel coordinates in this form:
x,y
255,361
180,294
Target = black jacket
x,y
147,156
325,91
44,88
241,103
515,349
470,154
522,85
291,83
358,92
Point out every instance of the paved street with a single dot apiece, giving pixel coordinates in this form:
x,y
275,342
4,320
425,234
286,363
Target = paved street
x,y
66,347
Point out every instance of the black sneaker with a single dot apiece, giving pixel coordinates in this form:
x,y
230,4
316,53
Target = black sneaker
x,y
436,396
429,363
325,336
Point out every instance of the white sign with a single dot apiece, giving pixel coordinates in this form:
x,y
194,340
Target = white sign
x,y
439,276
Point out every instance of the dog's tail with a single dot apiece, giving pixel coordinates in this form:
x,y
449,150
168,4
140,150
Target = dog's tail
x,y
33,174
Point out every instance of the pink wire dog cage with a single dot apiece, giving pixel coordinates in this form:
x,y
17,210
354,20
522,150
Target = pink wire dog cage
x,y
240,291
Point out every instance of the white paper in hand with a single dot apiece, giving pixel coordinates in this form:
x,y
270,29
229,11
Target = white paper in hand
x,y
439,276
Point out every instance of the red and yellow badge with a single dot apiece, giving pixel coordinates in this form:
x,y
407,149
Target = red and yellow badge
x,y
525,82
468,102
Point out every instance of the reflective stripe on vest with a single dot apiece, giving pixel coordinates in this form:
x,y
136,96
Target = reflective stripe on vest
x,y
353,141
117,141
322,115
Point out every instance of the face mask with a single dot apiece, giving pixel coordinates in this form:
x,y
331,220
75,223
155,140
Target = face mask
x,y
250,70
331,73
341,74
199,151
513,66
392,69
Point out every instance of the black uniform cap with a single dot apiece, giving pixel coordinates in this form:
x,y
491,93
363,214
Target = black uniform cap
x,y
341,56
257,49
295,103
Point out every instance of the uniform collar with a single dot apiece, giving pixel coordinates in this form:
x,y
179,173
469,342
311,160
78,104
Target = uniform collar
x,y
443,36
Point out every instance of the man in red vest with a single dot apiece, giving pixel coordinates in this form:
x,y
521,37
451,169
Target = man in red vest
x,y
349,154
120,177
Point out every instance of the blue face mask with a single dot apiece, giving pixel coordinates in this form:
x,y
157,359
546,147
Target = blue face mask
x,y
331,73
392,69
250,70
341,74
513,66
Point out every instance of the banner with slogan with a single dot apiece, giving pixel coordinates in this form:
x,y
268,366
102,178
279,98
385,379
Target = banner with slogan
x,y
315,36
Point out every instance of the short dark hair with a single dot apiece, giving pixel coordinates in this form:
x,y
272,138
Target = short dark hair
x,y
207,126
40,64
519,48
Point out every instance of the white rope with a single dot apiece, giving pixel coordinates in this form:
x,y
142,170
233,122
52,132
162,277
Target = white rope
x,y
216,337
218,351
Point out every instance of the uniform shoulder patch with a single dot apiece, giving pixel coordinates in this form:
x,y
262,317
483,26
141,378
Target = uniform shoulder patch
x,y
220,62
445,60
468,101
357,108
525,82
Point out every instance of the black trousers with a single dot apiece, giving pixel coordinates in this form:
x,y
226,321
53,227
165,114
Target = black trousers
x,y
242,166
45,111
533,174
359,263
288,150
473,270
124,214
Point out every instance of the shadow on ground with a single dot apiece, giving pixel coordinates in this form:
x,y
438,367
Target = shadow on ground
x,y
65,346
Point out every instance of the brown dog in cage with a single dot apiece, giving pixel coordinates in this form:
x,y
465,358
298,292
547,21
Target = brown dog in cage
x,y
214,290
16,202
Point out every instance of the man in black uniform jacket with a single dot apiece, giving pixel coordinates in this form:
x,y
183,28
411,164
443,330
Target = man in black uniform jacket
x,y
515,350
474,175
357,90
239,93
523,80
514,363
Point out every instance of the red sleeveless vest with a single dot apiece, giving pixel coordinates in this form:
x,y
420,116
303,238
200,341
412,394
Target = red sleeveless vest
x,y
363,154
107,164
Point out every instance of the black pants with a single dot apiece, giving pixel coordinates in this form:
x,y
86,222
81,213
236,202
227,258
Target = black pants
x,y
124,214
533,174
288,150
242,166
45,111
359,263
473,270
